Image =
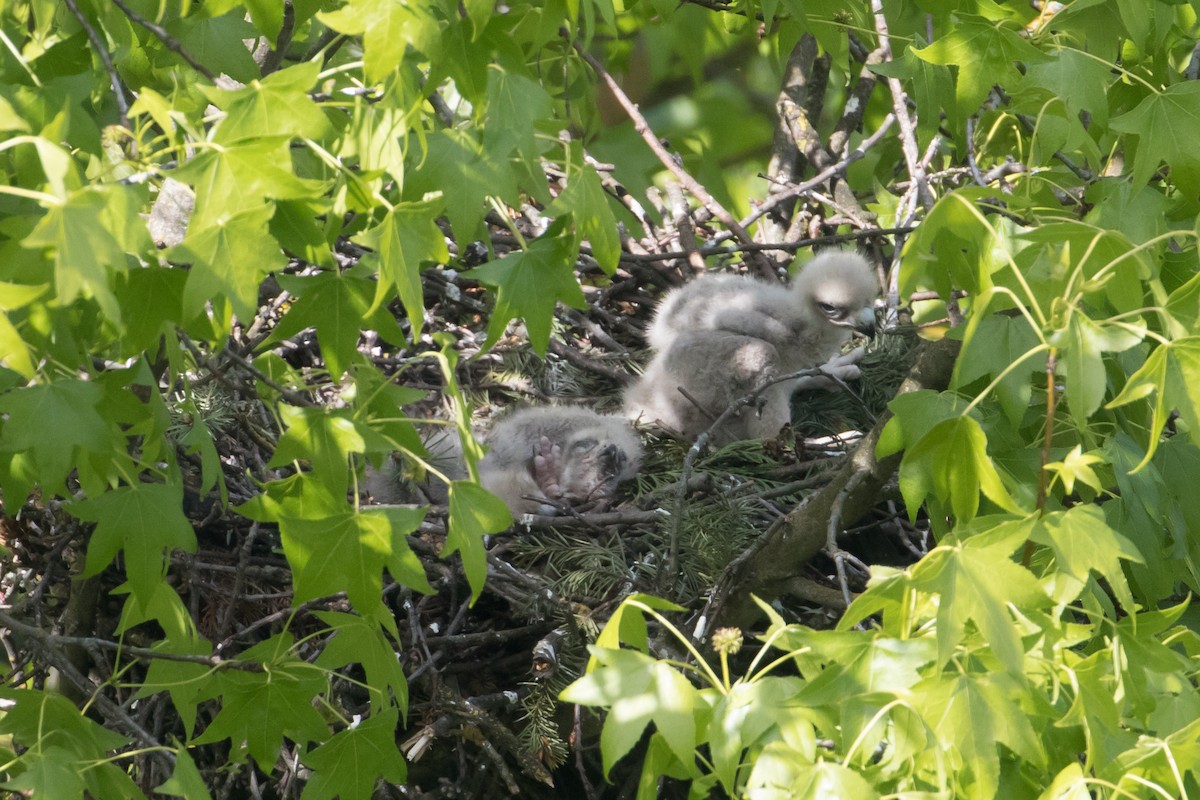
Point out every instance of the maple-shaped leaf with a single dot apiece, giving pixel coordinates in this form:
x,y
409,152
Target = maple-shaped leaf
x,y
456,164
585,199
950,466
1003,349
931,87
982,712
147,522
296,227
350,763
529,283
515,104
188,683
359,640
407,237
229,258
88,237
57,738
857,662
337,306
985,52
348,553
185,781
1077,78
277,105
53,422
1082,542
151,302
977,580
258,709
386,27
217,42
1164,124
267,17
14,350
474,513
1081,344
233,178
1172,375
325,438
637,690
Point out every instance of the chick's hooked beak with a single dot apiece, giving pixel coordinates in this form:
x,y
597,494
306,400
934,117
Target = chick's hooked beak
x,y
864,320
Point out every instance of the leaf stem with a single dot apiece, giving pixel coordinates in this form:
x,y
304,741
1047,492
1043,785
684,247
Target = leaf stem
x,y
1047,439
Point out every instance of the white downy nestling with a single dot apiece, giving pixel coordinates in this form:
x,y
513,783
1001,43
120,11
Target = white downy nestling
x,y
721,337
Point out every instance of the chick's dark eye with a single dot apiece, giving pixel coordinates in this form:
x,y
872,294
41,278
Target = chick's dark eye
x,y
829,309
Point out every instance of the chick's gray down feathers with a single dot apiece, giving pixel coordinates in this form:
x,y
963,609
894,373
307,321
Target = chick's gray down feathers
x,y
721,337
539,457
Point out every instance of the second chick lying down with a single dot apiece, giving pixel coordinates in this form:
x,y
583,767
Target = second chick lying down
x,y
539,458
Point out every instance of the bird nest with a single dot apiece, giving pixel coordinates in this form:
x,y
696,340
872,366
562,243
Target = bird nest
x,y
484,677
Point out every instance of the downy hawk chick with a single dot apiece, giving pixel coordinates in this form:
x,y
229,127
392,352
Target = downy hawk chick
x,y
540,457
721,337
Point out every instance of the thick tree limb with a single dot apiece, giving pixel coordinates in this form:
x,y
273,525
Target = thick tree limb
x,y
768,569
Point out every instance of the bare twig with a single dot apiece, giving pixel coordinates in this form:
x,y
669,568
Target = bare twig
x,y
908,135
114,77
667,160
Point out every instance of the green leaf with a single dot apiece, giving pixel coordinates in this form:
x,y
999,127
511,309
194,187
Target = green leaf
x,y
1082,342
950,464
229,259
186,682
932,88
217,43
1163,124
237,178
827,779
259,708
978,713
740,717
627,625
349,764
515,104
407,237
84,236
386,27
147,522
186,781
976,581
637,690
349,551
298,231
474,513
338,306
48,772
358,640
1079,79
528,284
996,345
985,52
325,438
68,407
952,248
1083,541
1172,375
914,414
151,302
267,17
586,200
276,106
466,174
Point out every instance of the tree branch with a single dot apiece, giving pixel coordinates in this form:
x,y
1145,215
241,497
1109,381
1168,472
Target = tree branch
x,y
691,184
767,568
